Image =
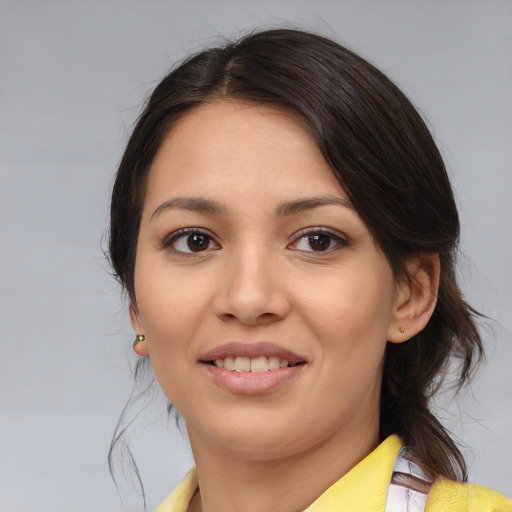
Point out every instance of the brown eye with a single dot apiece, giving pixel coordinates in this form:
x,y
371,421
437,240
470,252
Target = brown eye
x,y
191,241
319,241
198,242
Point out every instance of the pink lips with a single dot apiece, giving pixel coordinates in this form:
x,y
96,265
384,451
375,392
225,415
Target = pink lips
x,y
248,383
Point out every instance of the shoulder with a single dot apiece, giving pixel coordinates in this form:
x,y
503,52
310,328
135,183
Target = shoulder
x,y
461,497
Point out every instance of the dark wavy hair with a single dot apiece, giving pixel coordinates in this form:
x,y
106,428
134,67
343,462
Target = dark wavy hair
x,y
384,157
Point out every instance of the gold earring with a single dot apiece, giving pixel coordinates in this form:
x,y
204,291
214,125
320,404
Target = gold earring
x,y
138,339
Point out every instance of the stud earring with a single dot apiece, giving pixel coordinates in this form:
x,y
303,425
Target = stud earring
x,y
138,339
139,345
401,329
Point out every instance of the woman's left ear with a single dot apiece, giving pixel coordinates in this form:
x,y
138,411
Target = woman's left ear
x,y
416,297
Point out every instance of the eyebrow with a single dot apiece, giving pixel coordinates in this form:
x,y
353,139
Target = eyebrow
x,y
195,204
300,205
203,205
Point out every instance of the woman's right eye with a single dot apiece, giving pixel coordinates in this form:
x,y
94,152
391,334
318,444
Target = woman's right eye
x,y
191,241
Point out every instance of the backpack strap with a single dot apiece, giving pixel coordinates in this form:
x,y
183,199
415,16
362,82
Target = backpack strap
x,y
410,483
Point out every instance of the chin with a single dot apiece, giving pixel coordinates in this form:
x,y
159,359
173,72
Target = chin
x,y
255,440
262,440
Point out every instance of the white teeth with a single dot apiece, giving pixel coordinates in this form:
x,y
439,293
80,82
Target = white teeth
x,y
259,364
242,364
273,363
229,363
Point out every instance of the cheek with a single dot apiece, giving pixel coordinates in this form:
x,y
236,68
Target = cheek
x,y
170,313
350,318
352,308
170,302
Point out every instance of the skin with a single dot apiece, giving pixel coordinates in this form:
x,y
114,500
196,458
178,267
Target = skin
x,y
259,279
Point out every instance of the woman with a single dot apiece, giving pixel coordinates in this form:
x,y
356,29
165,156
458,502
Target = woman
x,y
284,226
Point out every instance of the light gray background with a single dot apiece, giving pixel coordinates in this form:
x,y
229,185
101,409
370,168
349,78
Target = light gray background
x,y
73,75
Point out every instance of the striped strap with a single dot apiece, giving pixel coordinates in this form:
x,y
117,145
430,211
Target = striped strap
x,y
410,484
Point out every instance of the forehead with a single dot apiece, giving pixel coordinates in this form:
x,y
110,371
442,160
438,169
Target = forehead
x,y
227,148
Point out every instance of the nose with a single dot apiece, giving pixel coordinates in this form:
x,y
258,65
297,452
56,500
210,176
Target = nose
x,y
250,291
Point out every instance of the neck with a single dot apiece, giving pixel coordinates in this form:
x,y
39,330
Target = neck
x,y
230,482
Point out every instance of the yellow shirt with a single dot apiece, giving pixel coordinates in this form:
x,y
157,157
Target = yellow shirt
x,y
364,489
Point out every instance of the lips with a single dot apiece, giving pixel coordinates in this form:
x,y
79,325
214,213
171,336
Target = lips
x,y
247,368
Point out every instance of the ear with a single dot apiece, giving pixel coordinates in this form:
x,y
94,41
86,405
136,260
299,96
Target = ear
x,y
141,348
416,297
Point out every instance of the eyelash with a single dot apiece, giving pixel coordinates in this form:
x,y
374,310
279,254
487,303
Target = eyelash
x,y
335,237
181,234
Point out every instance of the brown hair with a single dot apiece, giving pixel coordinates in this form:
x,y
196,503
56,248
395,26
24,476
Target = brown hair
x,y
384,157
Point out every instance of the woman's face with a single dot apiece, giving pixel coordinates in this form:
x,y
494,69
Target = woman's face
x,y
250,253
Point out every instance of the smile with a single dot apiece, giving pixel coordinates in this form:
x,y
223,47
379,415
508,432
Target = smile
x,y
252,368
259,364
